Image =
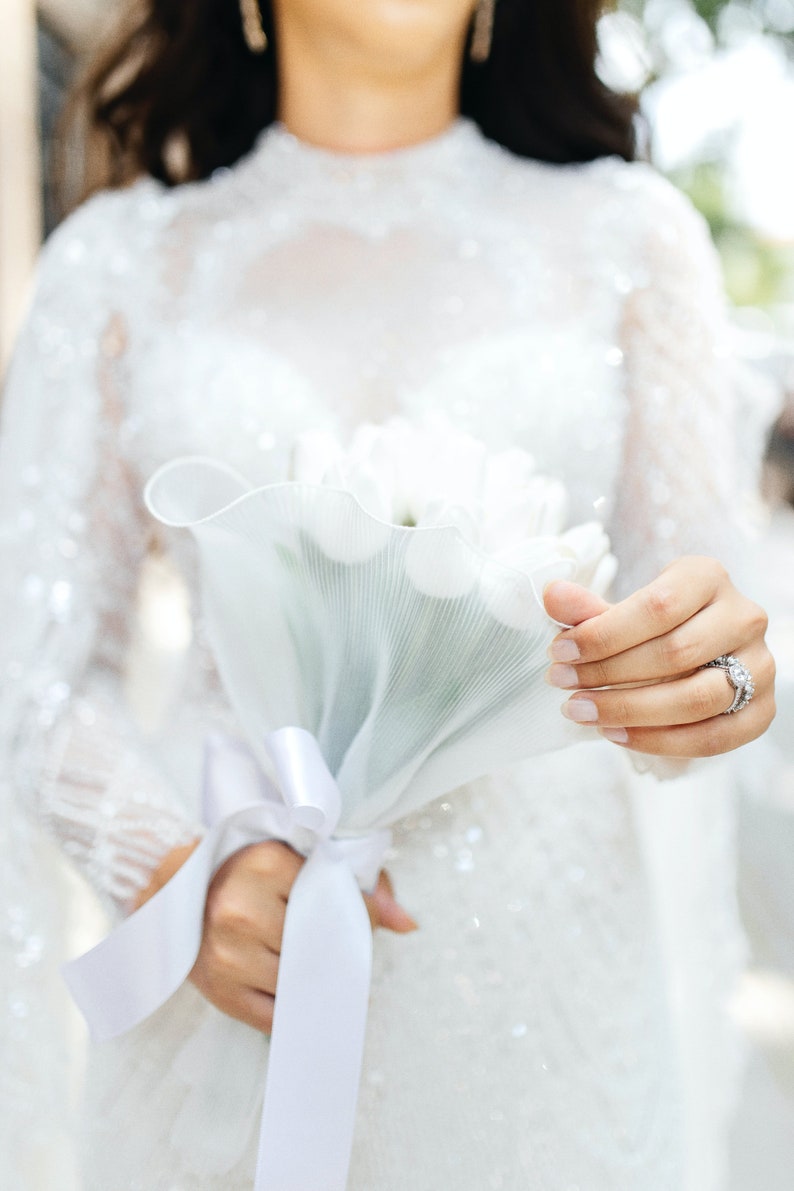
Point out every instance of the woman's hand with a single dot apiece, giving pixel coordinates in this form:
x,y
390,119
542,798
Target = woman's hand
x,y
649,650
237,964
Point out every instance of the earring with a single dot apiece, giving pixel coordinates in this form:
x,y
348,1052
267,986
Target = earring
x,y
483,31
253,29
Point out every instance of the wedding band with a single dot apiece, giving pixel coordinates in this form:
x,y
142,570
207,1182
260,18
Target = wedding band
x,y
738,676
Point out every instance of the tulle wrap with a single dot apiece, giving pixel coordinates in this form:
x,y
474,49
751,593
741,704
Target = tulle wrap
x,y
372,668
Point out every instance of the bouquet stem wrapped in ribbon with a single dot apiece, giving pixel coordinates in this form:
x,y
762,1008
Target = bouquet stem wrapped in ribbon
x,y
372,667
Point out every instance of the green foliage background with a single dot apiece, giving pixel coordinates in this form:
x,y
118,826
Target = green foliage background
x,y
758,271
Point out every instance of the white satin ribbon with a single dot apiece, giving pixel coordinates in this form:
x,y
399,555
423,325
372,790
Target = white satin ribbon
x,y
317,1042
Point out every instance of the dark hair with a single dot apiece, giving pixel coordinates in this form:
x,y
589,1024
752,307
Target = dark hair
x,y
178,93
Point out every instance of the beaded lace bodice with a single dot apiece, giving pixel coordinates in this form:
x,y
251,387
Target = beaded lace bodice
x,y
574,311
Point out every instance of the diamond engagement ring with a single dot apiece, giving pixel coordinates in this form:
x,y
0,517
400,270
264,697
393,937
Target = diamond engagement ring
x,y
738,676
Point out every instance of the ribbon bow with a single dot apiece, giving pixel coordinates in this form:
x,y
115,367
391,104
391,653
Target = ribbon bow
x,y
317,1043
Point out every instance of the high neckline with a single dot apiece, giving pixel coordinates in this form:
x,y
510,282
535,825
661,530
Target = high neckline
x,y
277,141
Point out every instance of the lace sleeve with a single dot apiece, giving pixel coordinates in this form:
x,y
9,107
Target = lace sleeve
x,y
679,483
72,535
688,466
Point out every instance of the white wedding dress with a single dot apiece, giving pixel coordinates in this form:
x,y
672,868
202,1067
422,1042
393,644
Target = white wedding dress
x,y
557,1023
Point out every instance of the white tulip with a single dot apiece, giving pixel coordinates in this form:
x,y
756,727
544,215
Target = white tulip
x,y
443,512
441,563
428,474
590,545
344,529
314,453
513,594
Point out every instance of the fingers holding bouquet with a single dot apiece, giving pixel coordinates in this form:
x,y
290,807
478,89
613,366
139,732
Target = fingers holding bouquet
x,y
658,671
238,962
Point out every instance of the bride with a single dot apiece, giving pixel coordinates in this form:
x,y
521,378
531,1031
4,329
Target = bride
x,y
319,213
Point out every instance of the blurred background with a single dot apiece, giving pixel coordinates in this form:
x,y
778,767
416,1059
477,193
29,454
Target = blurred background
x,y
717,84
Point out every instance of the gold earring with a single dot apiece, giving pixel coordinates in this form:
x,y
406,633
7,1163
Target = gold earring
x,y
253,29
483,31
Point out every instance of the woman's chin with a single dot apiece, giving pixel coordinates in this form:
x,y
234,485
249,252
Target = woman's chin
x,y
389,36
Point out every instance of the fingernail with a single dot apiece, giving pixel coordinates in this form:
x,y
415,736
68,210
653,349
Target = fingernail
x,y
406,923
392,915
562,676
616,735
581,711
564,651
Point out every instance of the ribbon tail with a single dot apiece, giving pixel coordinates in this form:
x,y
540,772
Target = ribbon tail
x,y
319,1027
131,973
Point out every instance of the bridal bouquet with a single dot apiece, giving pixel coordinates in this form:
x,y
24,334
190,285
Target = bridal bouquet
x,y
378,625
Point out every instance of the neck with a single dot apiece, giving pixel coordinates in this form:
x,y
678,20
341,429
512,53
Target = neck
x,y
344,99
